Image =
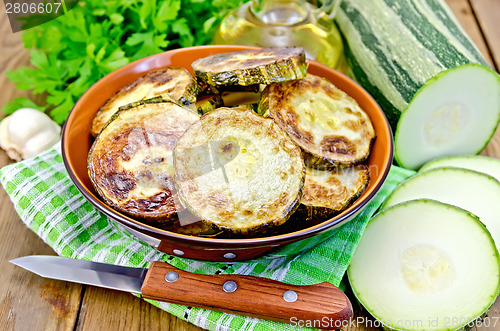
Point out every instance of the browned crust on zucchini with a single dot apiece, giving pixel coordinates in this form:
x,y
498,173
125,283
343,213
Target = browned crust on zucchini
x,y
167,82
336,193
263,177
261,66
207,103
199,229
322,200
130,163
323,120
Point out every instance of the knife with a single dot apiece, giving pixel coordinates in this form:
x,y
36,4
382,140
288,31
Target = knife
x,y
235,294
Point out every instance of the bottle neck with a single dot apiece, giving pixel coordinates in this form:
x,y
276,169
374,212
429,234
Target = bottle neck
x,y
280,12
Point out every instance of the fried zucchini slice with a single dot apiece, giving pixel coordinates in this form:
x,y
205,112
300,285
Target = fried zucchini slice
x,y
206,104
255,88
233,99
175,82
161,99
130,163
199,229
206,89
329,192
238,171
158,99
260,66
324,121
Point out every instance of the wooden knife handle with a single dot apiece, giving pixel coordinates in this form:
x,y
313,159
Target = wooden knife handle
x,y
248,295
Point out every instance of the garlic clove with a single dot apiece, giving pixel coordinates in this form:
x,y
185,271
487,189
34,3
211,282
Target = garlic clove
x,y
27,122
4,137
13,153
28,132
40,142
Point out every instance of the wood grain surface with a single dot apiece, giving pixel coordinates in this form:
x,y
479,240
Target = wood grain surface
x,y
29,302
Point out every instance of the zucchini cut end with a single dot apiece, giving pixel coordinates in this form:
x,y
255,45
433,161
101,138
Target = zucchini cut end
x,y
476,192
455,112
483,164
411,272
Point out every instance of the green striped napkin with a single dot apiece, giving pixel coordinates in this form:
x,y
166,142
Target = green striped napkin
x,y
50,205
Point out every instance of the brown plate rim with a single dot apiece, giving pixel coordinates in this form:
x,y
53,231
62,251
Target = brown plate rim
x,y
237,242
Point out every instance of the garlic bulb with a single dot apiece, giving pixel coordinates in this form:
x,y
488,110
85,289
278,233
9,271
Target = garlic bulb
x,y
27,132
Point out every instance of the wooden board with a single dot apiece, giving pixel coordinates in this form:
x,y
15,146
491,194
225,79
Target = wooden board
x,y
113,310
463,13
487,13
27,301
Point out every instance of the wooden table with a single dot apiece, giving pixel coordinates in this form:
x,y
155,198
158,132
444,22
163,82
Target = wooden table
x,y
29,302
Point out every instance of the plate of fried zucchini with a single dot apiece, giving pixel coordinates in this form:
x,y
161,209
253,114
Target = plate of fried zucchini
x,y
234,145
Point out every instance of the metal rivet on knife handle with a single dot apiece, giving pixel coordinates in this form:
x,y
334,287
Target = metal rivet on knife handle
x,y
171,276
229,286
290,296
229,256
178,252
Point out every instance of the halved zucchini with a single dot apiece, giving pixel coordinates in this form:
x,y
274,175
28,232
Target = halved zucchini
x,y
327,123
260,66
455,112
238,171
130,163
471,190
327,193
479,163
425,265
175,82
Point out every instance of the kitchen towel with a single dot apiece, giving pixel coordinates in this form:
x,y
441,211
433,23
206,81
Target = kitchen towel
x,y
50,205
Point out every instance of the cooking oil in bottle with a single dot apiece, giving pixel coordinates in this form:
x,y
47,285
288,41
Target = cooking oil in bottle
x,y
268,23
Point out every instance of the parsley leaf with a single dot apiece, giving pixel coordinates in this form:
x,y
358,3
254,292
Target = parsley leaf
x,y
19,103
73,51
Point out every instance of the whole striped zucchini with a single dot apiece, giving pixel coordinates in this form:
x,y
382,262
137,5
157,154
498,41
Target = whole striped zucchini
x,y
435,87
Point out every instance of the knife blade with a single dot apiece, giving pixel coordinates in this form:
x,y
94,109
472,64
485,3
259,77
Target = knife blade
x,y
235,294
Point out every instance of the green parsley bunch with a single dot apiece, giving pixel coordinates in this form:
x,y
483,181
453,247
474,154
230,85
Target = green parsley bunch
x,y
72,52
